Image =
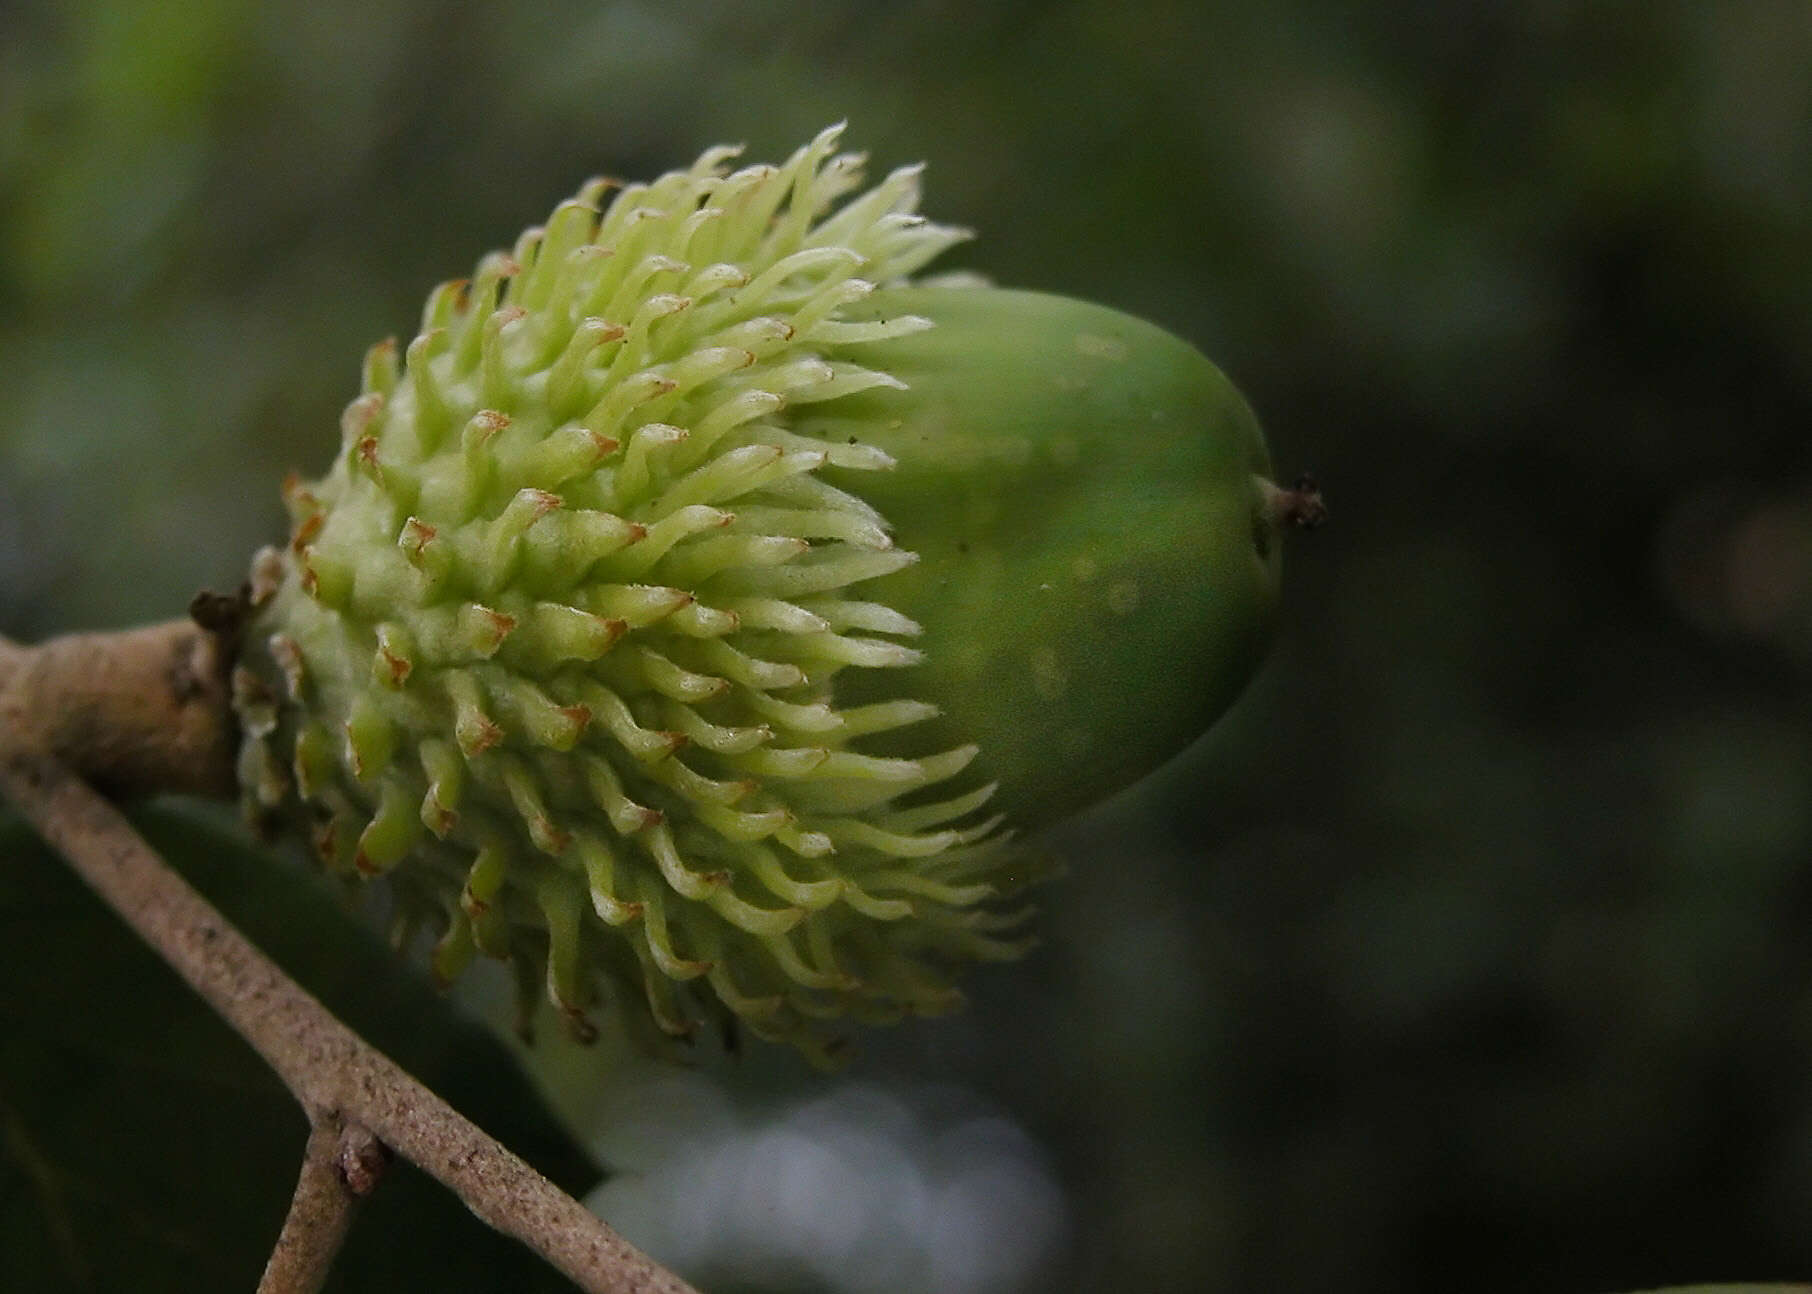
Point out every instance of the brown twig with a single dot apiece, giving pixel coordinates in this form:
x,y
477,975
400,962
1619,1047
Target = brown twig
x,y
339,1078
320,1212
135,712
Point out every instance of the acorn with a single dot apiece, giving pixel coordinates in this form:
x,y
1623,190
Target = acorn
x,y
701,614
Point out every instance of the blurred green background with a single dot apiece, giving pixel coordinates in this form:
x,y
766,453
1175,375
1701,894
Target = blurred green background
x,y
1470,953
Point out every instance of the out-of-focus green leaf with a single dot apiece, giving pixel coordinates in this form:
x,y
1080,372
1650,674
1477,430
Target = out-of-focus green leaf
x,y
144,1147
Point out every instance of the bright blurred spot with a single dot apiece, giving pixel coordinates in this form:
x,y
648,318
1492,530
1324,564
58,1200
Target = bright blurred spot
x,y
863,1189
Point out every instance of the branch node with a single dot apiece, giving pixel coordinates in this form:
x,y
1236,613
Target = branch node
x,y
222,614
362,1160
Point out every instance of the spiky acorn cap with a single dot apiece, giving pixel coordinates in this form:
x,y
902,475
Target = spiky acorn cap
x,y
559,644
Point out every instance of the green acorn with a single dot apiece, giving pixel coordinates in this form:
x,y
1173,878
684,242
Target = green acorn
x,y
696,610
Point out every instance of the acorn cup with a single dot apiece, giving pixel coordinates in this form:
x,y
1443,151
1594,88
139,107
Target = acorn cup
x,y
699,613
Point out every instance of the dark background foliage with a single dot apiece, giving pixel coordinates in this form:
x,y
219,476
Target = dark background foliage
x,y
1469,953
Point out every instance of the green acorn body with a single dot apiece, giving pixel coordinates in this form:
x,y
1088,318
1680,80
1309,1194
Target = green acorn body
x,y
1088,499
687,619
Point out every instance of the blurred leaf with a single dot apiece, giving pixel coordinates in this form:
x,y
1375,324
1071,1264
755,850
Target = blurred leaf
x,y
144,1146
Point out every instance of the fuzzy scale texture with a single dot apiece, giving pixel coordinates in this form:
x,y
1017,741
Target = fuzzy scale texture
x,y
552,645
